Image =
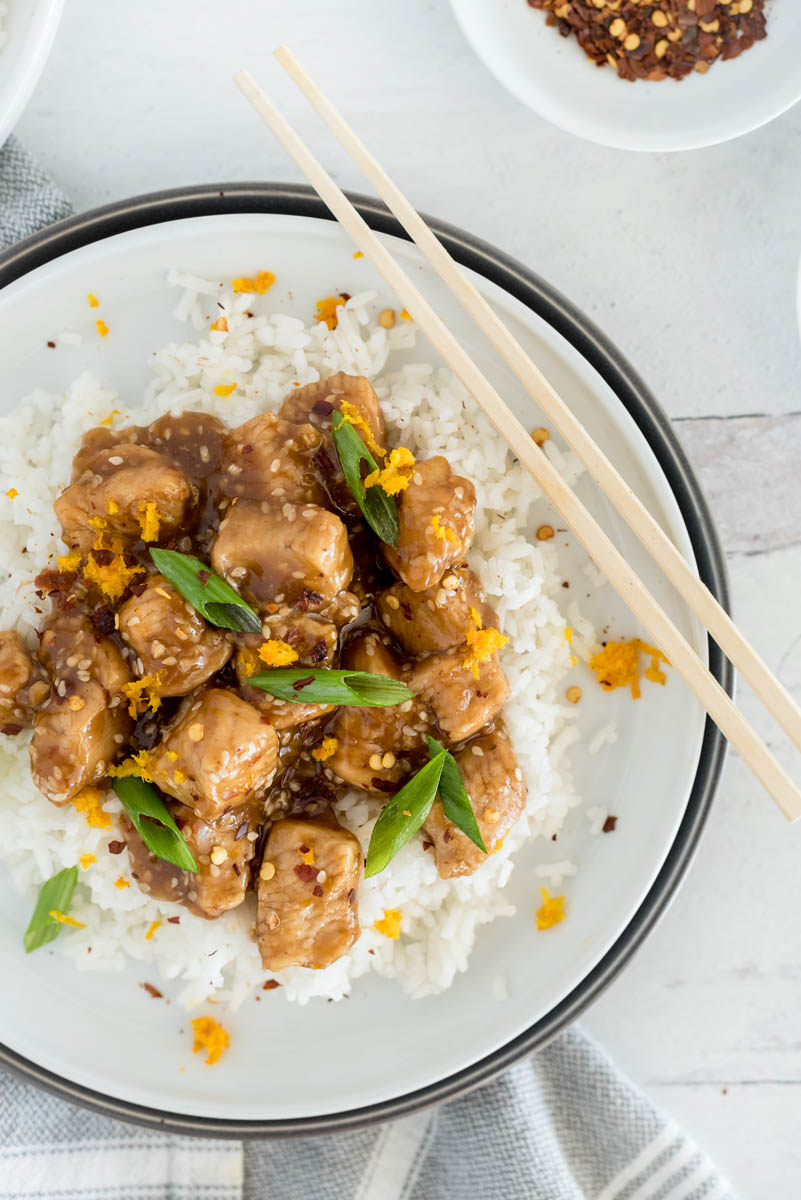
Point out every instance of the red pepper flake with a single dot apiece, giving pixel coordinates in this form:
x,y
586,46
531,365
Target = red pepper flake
x,y
317,891
304,849
51,345
447,835
352,896
302,683
306,873
204,577
116,847
427,845
152,991
174,920
609,825
270,984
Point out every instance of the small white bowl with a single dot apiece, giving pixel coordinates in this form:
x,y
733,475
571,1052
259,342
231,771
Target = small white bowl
x,y
30,27
552,75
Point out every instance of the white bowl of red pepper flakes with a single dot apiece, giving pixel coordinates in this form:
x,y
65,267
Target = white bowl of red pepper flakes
x,y
661,75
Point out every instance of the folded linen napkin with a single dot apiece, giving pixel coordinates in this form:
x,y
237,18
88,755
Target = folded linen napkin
x,y
562,1125
28,199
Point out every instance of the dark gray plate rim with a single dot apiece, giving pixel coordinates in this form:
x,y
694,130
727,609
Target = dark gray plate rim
x,y
635,397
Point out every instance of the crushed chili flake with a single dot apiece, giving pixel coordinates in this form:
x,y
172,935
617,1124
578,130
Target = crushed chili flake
x,y
152,991
317,891
306,873
174,920
664,39
618,665
116,847
551,911
270,984
211,1037
276,653
609,825
428,845
307,854
390,923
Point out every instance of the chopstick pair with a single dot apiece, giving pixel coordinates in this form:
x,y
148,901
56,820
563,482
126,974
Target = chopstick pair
x,y
605,554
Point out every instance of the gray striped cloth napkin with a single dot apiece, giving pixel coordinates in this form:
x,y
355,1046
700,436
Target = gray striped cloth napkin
x,y
563,1125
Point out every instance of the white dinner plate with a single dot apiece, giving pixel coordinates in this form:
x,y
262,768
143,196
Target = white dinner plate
x,y
553,76
98,1038
30,26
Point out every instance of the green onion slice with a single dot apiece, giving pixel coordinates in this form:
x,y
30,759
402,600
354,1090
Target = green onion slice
x,y
379,510
322,686
152,821
403,816
453,794
55,896
213,598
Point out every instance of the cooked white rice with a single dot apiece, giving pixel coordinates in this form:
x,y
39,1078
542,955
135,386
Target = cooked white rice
x,y
428,411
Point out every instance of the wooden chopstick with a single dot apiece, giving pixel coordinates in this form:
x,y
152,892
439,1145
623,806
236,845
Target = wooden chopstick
x,y
693,590
620,575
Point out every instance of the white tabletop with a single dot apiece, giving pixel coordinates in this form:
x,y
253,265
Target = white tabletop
x,y
688,262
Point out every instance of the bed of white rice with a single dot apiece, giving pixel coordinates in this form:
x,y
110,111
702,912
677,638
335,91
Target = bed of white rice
x,y
428,411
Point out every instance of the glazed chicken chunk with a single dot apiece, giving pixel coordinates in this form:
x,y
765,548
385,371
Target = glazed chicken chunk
x,y
223,850
22,687
497,791
462,704
268,458
436,619
172,642
435,524
274,554
377,747
84,726
313,640
307,899
219,753
116,488
315,402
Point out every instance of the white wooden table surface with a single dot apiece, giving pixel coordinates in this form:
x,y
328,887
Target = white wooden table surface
x,y
688,262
